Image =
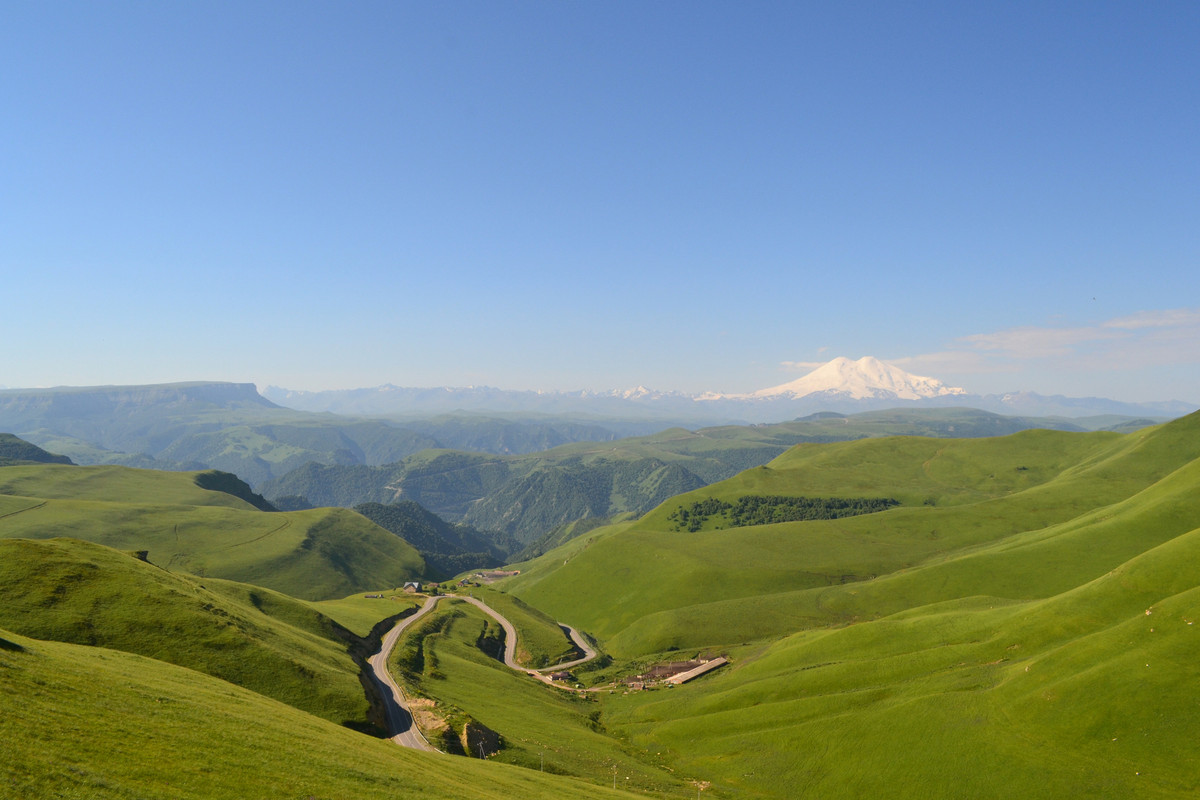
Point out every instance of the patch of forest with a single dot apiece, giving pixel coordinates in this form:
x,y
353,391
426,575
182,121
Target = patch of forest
x,y
768,509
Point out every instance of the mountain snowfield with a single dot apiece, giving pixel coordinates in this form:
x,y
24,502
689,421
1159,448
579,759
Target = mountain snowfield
x,y
866,378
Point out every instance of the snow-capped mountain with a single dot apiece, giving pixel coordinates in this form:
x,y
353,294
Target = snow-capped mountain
x,y
841,385
866,378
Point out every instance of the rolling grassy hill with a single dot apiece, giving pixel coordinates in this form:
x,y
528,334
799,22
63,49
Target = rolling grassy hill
x,y
1021,625
90,722
654,587
314,554
1021,622
71,591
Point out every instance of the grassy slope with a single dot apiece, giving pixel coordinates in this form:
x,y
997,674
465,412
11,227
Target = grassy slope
x,y
1087,692
649,589
316,554
1029,632
89,722
542,727
360,613
72,591
715,453
112,484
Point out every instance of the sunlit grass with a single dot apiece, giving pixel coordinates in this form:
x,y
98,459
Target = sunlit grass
x,y
93,723
316,554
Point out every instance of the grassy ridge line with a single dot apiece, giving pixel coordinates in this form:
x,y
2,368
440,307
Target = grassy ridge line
x,y
916,471
114,485
315,554
88,722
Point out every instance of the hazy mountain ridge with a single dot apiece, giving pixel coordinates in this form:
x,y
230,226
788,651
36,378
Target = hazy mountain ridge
x,y
230,427
839,385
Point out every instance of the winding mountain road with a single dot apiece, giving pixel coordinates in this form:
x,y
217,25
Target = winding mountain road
x,y
584,647
399,716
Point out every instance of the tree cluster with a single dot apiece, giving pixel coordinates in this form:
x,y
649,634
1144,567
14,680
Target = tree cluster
x,y
768,509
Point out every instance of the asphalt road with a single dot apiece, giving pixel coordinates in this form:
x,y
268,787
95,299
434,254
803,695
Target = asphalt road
x,y
399,717
588,652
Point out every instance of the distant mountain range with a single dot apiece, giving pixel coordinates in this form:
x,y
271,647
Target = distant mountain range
x,y
840,385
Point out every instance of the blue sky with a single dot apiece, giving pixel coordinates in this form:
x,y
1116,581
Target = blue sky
x,y
565,195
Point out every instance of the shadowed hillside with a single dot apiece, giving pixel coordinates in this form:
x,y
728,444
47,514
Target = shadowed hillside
x,y
18,451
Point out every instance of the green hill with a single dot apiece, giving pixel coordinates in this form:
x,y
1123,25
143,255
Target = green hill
x,y
90,722
679,588
1008,616
1084,693
1020,625
18,451
71,591
314,554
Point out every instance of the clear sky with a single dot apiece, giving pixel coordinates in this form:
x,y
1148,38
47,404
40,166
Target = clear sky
x,y
568,195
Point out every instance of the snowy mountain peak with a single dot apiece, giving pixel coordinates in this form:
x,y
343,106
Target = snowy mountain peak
x,y
862,379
